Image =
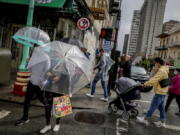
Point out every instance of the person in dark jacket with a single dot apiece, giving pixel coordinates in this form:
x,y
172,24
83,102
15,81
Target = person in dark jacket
x,y
38,68
113,75
126,66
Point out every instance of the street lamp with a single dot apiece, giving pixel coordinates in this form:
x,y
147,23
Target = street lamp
x,y
22,66
23,74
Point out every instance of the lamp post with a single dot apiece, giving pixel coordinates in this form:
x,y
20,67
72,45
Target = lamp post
x,y
23,74
22,66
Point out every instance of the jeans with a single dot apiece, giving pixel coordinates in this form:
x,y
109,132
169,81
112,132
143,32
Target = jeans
x,y
103,84
157,103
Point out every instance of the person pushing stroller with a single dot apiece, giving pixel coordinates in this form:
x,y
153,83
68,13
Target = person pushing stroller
x,y
126,90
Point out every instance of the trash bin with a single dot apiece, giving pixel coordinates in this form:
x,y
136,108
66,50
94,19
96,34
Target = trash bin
x,y
5,65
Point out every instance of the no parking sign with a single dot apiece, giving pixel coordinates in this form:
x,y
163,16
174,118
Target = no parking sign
x,y
83,23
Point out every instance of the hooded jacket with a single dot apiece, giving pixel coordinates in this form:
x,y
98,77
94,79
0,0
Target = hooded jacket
x,y
154,81
175,85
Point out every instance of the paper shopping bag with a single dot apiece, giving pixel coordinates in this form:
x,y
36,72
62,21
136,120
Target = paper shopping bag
x,y
61,106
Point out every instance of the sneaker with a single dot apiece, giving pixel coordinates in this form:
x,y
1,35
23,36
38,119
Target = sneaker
x,y
45,129
21,122
144,111
89,95
56,128
160,124
104,99
142,120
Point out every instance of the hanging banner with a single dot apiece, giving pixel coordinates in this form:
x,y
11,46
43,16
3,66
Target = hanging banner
x,y
98,13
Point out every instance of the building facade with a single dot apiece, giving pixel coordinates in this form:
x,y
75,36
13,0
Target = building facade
x,y
58,22
167,26
151,24
133,39
169,48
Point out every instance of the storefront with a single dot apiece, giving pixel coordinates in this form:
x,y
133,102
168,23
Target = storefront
x,y
57,18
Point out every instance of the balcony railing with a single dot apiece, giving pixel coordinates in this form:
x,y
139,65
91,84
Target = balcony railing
x,y
159,48
175,44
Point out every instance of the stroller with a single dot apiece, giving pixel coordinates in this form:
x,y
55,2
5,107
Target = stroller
x,y
126,90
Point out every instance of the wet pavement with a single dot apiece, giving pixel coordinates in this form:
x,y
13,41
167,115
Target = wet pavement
x,y
69,125
89,117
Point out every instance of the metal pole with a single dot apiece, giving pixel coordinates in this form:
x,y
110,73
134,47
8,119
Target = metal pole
x,y
22,66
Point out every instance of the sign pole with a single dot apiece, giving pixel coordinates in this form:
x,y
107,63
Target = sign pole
x,y
22,66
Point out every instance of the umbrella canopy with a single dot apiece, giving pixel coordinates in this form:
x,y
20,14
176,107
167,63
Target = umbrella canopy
x,y
125,83
31,35
69,65
73,41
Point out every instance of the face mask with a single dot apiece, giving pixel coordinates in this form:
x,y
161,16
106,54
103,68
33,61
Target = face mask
x,y
175,72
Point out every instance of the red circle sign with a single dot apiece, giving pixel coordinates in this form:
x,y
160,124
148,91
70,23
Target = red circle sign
x,y
83,23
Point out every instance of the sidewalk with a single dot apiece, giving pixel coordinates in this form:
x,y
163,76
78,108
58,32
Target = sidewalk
x,y
79,100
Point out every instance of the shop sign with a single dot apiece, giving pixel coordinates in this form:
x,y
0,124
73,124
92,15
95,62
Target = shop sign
x,y
83,23
98,13
43,1
107,46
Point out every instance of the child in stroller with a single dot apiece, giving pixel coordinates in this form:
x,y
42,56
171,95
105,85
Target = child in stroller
x,y
126,90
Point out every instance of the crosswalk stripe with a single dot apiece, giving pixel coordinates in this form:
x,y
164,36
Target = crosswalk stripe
x,y
121,129
172,127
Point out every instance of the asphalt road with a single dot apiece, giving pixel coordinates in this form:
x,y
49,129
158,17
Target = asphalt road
x,y
110,125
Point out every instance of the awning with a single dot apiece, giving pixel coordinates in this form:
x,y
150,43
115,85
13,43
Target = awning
x,y
53,4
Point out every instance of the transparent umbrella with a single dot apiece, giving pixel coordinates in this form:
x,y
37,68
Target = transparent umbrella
x,y
31,35
70,69
73,41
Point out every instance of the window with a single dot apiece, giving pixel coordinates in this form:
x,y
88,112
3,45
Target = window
x,y
167,41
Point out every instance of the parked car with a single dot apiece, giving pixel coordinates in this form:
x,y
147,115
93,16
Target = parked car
x,y
139,74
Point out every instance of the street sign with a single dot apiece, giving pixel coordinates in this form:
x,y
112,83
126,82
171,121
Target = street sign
x,y
83,23
107,46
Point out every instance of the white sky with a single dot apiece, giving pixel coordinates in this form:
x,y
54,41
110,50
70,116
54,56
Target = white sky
x,y
128,6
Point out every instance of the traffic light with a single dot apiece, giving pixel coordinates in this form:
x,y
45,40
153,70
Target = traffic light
x,y
114,6
106,33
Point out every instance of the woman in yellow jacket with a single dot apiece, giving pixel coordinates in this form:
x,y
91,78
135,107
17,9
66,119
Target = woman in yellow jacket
x,y
160,93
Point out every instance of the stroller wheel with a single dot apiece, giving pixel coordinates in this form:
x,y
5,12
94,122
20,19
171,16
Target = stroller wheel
x,y
112,108
134,112
125,116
